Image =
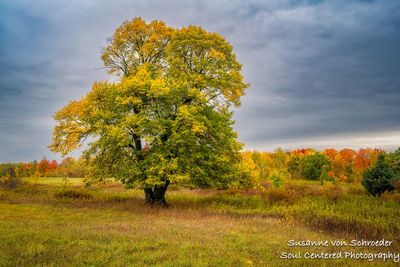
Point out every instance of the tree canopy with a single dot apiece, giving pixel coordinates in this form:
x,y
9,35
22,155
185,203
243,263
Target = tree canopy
x,y
167,118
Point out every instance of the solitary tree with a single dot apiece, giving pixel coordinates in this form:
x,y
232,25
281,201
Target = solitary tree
x,y
167,118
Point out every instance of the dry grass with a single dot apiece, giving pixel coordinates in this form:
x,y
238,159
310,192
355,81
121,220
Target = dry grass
x,y
48,225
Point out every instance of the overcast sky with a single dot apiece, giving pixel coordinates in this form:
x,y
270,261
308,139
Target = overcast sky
x,y
321,73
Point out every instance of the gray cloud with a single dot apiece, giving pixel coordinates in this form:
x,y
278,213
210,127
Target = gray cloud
x,y
319,70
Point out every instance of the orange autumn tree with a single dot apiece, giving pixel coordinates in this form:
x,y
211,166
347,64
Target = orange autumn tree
x,y
41,167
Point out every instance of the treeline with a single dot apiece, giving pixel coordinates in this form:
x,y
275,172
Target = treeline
x,y
346,165
68,167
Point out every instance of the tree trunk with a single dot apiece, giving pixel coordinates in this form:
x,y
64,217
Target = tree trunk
x,y
156,195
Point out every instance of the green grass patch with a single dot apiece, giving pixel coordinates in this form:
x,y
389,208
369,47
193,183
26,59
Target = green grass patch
x,y
54,180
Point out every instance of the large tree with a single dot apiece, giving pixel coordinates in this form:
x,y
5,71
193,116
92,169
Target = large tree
x,y
167,118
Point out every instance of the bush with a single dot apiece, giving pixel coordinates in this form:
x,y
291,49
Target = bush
x,y
277,178
324,177
379,178
10,182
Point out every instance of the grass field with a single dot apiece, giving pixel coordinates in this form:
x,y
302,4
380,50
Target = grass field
x,y
54,181
52,223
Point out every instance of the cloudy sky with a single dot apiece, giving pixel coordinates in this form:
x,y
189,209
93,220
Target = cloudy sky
x,y
322,73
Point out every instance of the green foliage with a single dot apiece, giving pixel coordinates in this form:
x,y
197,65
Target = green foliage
x,y
294,166
324,176
279,158
168,118
277,178
313,164
394,161
261,163
379,178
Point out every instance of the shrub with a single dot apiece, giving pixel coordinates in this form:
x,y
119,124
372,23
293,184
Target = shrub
x,y
294,166
277,178
324,176
379,178
10,182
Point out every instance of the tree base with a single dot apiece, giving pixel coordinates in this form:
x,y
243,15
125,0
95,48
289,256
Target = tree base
x,y
156,195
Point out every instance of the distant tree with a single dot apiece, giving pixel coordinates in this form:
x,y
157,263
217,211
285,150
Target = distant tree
x,y
324,176
247,171
26,170
330,153
51,168
41,167
7,170
294,166
33,167
258,161
379,178
277,177
67,166
279,157
313,164
343,164
9,175
168,118
394,161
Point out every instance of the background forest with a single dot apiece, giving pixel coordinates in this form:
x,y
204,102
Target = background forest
x,y
330,165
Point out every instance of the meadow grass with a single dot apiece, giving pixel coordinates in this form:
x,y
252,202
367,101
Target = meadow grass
x,y
55,180
50,224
